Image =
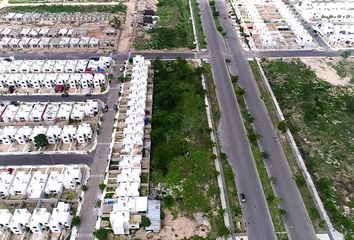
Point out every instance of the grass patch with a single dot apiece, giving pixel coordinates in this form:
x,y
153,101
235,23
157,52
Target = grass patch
x,y
312,210
216,14
182,157
273,202
68,9
321,118
198,24
345,68
212,94
174,29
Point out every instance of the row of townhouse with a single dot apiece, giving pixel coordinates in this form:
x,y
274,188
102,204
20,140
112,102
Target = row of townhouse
x,y
40,220
26,134
42,32
49,112
32,17
93,64
50,42
129,203
52,80
34,184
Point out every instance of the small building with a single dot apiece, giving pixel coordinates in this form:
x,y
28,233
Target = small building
x,y
74,42
61,218
34,32
99,80
129,175
19,221
78,112
94,43
43,32
34,42
62,32
51,112
14,43
25,66
38,80
24,112
48,66
23,135
54,184
64,42
7,135
84,42
149,12
44,43
81,66
37,112
59,66
91,108
24,42
68,134
64,112
86,80
37,184
54,42
70,66
6,180
37,130
54,134
74,80
4,42
39,220
5,219
25,32
72,177
9,113
20,183
84,133
6,32
53,33
37,66
15,33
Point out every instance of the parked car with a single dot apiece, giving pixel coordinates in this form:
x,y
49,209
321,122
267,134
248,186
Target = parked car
x,y
243,197
65,94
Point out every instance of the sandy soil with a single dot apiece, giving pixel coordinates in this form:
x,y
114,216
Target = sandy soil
x,y
323,69
179,228
127,28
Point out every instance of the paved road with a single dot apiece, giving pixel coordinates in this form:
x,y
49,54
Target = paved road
x,y
297,221
292,53
234,140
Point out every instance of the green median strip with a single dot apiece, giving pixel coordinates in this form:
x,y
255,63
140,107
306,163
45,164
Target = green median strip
x,y
312,210
273,202
198,24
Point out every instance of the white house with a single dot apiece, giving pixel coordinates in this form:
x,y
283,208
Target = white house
x,y
5,219
84,133
20,221
86,80
37,130
74,80
48,66
37,184
54,134
99,80
6,180
81,66
72,177
59,66
68,134
120,222
34,42
8,134
127,189
51,112
64,111
37,112
129,175
61,218
24,112
91,108
44,43
39,220
9,113
23,135
20,183
70,66
38,80
55,183
37,66
78,112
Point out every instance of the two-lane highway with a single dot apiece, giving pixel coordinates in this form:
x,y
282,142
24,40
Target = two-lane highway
x,y
234,139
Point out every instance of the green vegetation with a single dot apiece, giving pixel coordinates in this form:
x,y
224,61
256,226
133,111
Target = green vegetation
x,y
76,221
101,234
182,157
174,29
198,24
301,183
321,118
84,188
41,140
273,202
102,186
68,8
345,68
346,54
145,221
212,93
216,16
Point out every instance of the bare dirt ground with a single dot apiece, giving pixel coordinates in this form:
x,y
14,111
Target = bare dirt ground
x,y
128,27
324,70
181,227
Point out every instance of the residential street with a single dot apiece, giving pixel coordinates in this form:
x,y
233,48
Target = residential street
x,y
233,137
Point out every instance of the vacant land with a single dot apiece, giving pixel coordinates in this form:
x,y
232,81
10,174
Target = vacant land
x,y
67,9
182,158
173,30
321,117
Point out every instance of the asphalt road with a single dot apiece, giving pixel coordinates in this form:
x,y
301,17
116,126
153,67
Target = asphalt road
x,y
297,221
233,137
291,53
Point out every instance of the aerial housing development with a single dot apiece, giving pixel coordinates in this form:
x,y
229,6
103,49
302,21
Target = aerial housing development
x,y
184,119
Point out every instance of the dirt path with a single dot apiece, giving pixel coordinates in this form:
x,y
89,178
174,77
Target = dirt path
x,y
126,35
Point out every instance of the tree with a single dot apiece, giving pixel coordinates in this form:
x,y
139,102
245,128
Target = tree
x,y
76,221
346,54
41,140
84,188
283,126
102,186
145,221
234,79
101,234
265,155
282,212
273,179
116,22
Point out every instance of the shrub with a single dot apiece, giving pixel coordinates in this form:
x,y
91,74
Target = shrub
x,y
84,188
101,234
145,221
76,221
102,186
